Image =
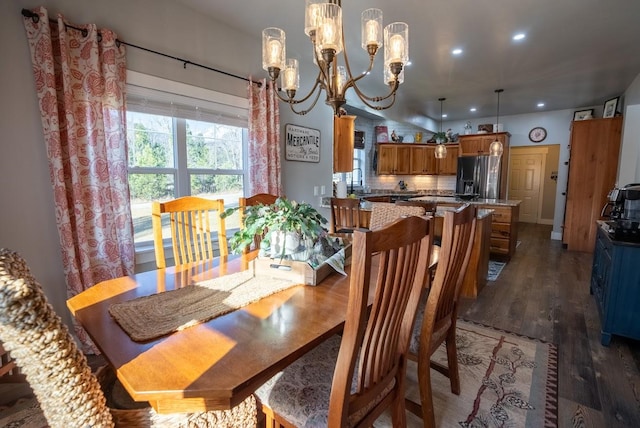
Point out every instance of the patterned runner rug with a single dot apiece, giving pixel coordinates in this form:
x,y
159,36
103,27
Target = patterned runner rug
x,y
507,380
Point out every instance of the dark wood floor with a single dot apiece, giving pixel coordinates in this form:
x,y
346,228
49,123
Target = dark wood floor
x,y
543,292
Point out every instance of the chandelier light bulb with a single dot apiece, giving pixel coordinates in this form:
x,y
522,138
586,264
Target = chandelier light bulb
x,y
275,51
397,47
290,76
372,31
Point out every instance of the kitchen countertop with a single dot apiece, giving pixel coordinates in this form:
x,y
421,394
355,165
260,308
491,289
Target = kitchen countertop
x,y
454,199
610,232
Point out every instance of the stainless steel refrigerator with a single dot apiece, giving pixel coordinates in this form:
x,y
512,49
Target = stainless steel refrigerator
x,y
479,175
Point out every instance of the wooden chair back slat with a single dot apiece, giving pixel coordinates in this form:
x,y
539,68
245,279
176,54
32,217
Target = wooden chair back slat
x,y
257,199
191,231
345,215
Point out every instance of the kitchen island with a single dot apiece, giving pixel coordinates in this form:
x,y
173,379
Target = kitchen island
x,y
504,224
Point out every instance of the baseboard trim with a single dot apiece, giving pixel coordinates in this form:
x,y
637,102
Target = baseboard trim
x,y
548,221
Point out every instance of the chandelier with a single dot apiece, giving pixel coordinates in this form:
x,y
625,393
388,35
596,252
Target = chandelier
x,y
323,25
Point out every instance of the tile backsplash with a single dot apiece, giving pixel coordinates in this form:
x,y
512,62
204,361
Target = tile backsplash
x,y
414,182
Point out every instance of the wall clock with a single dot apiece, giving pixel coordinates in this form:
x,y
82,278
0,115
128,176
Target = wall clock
x,y
537,134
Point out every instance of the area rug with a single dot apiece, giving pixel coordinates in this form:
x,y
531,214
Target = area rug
x,y
507,380
24,413
494,269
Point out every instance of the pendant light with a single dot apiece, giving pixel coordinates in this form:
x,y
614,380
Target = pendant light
x,y
496,149
441,149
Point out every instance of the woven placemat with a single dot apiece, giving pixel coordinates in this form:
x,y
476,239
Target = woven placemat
x,y
154,316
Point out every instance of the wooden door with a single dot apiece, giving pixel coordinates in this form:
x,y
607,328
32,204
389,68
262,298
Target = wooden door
x,y
524,184
423,160
403,159
471,146
418,160
386,159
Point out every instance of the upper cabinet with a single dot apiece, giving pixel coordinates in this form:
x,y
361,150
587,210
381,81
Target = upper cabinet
x,y
449,165
343,143
423,160
478,144
415,159
394,159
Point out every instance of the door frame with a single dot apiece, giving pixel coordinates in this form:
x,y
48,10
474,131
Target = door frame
x,y
534,150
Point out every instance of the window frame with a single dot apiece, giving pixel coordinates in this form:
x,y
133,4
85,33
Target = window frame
x,y
213,101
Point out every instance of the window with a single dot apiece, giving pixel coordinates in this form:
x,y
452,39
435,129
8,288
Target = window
x,y
356,176
179,147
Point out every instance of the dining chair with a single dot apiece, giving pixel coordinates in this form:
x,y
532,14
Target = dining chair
x,y
438,310
383,213
257,199
351,380
68,393
9,371
190,221
345,215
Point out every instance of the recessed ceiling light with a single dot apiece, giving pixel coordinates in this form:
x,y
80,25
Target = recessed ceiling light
x,y
519,36
444,115
408,62
472,109
540,104
456,51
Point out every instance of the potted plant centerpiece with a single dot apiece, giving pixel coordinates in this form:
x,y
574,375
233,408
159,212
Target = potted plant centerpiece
x,y
440,137
290,229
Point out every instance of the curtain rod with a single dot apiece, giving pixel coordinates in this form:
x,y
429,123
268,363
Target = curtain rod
x,y
35,18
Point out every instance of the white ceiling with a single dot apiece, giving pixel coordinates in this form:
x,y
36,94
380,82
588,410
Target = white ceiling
x,y
576,53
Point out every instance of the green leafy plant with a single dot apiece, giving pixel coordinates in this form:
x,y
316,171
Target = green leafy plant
x,y
439,136
284,216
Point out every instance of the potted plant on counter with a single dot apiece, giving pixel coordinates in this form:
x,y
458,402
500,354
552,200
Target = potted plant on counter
x,y
289,229
440,137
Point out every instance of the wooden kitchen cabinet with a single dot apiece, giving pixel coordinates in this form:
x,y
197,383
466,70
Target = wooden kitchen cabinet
x,y
593,166
394,159
503,225
449,165
615,284
343,141
478,144
423,159
504,229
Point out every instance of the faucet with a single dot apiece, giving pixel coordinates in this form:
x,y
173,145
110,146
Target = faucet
x,y
359,176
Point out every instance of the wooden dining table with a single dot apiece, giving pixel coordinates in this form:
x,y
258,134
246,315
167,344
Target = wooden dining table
x,y
217,364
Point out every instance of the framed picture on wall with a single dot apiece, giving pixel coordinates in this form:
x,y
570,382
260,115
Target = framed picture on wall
x,y
610,107
583,114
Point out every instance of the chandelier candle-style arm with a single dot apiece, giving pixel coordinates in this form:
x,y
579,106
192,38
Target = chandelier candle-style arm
x,y
324,26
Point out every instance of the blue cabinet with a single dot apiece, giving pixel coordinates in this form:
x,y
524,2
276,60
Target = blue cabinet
x,y
615,284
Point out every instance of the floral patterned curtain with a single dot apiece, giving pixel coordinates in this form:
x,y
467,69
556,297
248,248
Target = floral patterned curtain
x,y
80,81
264,140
